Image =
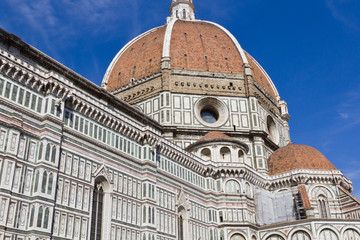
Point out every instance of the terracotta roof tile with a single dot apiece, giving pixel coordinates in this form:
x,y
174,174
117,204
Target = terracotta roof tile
x,y
349,194
305,197
203,46
140,59
214,135
293,156
194,45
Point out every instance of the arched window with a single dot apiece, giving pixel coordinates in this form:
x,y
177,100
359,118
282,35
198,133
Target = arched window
x,y
225,154
97,210
183,225
144,214
184,14
248,189
40,151
46,218
32,213
275,237
149,220
153,216
222,235
206,154
237,236
53,154
211,234
300,235
221,218
47,153
181,228
240,156
328,234
351,234
323,207
49,189
36,181
39,218
43,184
232,186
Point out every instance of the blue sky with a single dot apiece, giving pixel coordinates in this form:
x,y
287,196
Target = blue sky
x,y
309,48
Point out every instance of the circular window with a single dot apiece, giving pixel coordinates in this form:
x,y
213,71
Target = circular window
x,y
209,116
211,112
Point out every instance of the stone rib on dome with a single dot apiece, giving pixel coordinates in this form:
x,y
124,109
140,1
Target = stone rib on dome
x,y
261,76
294,156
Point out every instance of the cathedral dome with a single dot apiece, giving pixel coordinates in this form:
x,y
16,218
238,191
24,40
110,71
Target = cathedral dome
x,y
294,156
184,44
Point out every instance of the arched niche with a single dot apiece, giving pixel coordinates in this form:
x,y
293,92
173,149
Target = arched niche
x,y
300,235
205,154
328,234
225,154
240,156
237,236
100,210
275,237
232,187
351,234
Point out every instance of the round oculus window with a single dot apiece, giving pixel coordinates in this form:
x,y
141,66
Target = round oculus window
x,y
209,116
211,111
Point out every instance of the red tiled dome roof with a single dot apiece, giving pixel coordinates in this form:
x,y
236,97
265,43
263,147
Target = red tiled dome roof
x,y
294,156
202,46
214,135
190,45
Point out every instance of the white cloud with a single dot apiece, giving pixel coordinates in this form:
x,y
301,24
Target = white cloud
x,y
344,115
67,19
343,10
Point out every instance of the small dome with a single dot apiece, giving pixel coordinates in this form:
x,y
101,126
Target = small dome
x,y
217,137
189,45
214,135
293,156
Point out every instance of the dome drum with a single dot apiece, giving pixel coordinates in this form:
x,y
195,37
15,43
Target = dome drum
x,y
219,147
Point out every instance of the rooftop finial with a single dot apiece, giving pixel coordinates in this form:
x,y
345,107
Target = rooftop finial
x,y
182,9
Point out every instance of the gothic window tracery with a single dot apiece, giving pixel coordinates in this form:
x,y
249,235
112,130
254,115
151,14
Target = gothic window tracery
x,y
323,206
39,217
97,212
43,184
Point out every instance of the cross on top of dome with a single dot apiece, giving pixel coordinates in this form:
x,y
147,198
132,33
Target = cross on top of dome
x,y
182,9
